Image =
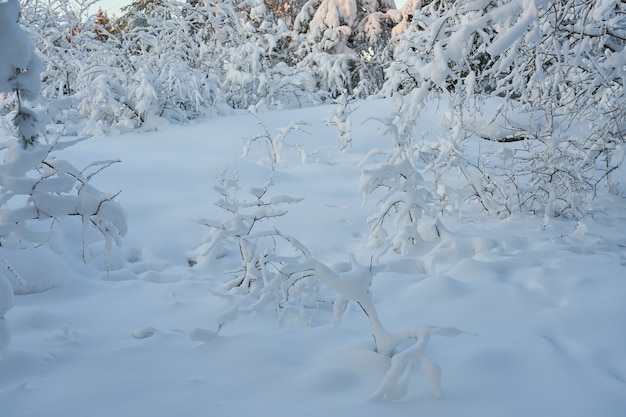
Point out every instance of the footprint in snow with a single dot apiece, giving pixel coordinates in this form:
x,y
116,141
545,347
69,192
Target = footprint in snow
x,y
144,333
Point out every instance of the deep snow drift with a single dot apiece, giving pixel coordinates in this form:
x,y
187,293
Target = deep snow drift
x,y
546,303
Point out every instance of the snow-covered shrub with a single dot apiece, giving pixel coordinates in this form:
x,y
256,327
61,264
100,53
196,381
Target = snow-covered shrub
x,y
405,182
270,260
341,117
276,145
275,268
549,175
38,188
352,284
244,228
562,63
270,270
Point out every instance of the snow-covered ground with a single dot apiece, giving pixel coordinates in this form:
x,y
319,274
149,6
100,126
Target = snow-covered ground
x,y
544,307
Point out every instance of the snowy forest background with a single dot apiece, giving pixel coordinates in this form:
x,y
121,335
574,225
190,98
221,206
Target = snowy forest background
x,y
555,70
529,93
182,60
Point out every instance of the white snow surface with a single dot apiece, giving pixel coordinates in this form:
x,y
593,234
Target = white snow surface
x,y
547,303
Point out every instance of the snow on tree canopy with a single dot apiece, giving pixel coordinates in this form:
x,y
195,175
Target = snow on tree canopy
x,y
336,13
321,18
19,65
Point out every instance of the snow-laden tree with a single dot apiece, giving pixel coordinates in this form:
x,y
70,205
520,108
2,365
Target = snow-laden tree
x,y
20,68
39,190
260,70
553,74
563,64
36,187
19,78
342,41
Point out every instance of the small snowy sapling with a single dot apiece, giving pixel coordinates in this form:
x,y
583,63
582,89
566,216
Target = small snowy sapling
x,y
404,195
276,145
341,117
256,245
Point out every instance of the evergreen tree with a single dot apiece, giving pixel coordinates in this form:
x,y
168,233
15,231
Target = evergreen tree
x,y
343,41
20,69
103,25
285,10
260,69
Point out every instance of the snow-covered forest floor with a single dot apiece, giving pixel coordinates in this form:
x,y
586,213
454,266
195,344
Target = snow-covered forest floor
x,y
543,305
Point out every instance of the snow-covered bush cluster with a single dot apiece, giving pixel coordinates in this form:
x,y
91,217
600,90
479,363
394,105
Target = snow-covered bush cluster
x,y
543,79
179,60
538,86
167,60
277,269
